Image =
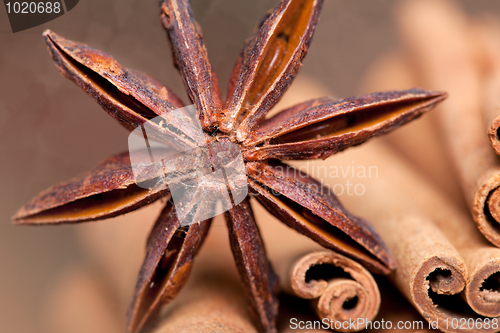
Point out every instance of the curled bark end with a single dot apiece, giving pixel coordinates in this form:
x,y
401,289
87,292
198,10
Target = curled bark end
x,y
341,288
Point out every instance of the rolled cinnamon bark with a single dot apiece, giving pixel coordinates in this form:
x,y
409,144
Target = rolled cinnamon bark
x,y
404,209
482,259
482,291
418,245
341,288
438,37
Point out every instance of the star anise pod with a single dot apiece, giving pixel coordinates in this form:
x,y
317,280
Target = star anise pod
x,y
314,129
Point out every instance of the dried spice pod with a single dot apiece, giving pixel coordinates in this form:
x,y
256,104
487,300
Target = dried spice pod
x,y
268,63
169,258
343,290
107,190
259,281
131,99
322,127
140,102
196,71
310,208
424,26
213,297
152,84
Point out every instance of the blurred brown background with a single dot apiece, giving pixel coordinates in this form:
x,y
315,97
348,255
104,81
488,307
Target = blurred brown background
x,y
50,130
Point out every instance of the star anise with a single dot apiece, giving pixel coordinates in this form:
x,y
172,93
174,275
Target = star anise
x,y
313,129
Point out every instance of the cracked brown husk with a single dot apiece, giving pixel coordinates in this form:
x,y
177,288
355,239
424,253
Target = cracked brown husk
x,y
265,68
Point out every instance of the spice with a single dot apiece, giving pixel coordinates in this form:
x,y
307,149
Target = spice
x,y
415,221
481,258
333,281
456,67
318,128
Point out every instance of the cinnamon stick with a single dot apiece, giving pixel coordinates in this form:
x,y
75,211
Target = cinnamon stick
x,y
464,134
441,44
492,110
406,210
482,259
341,288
